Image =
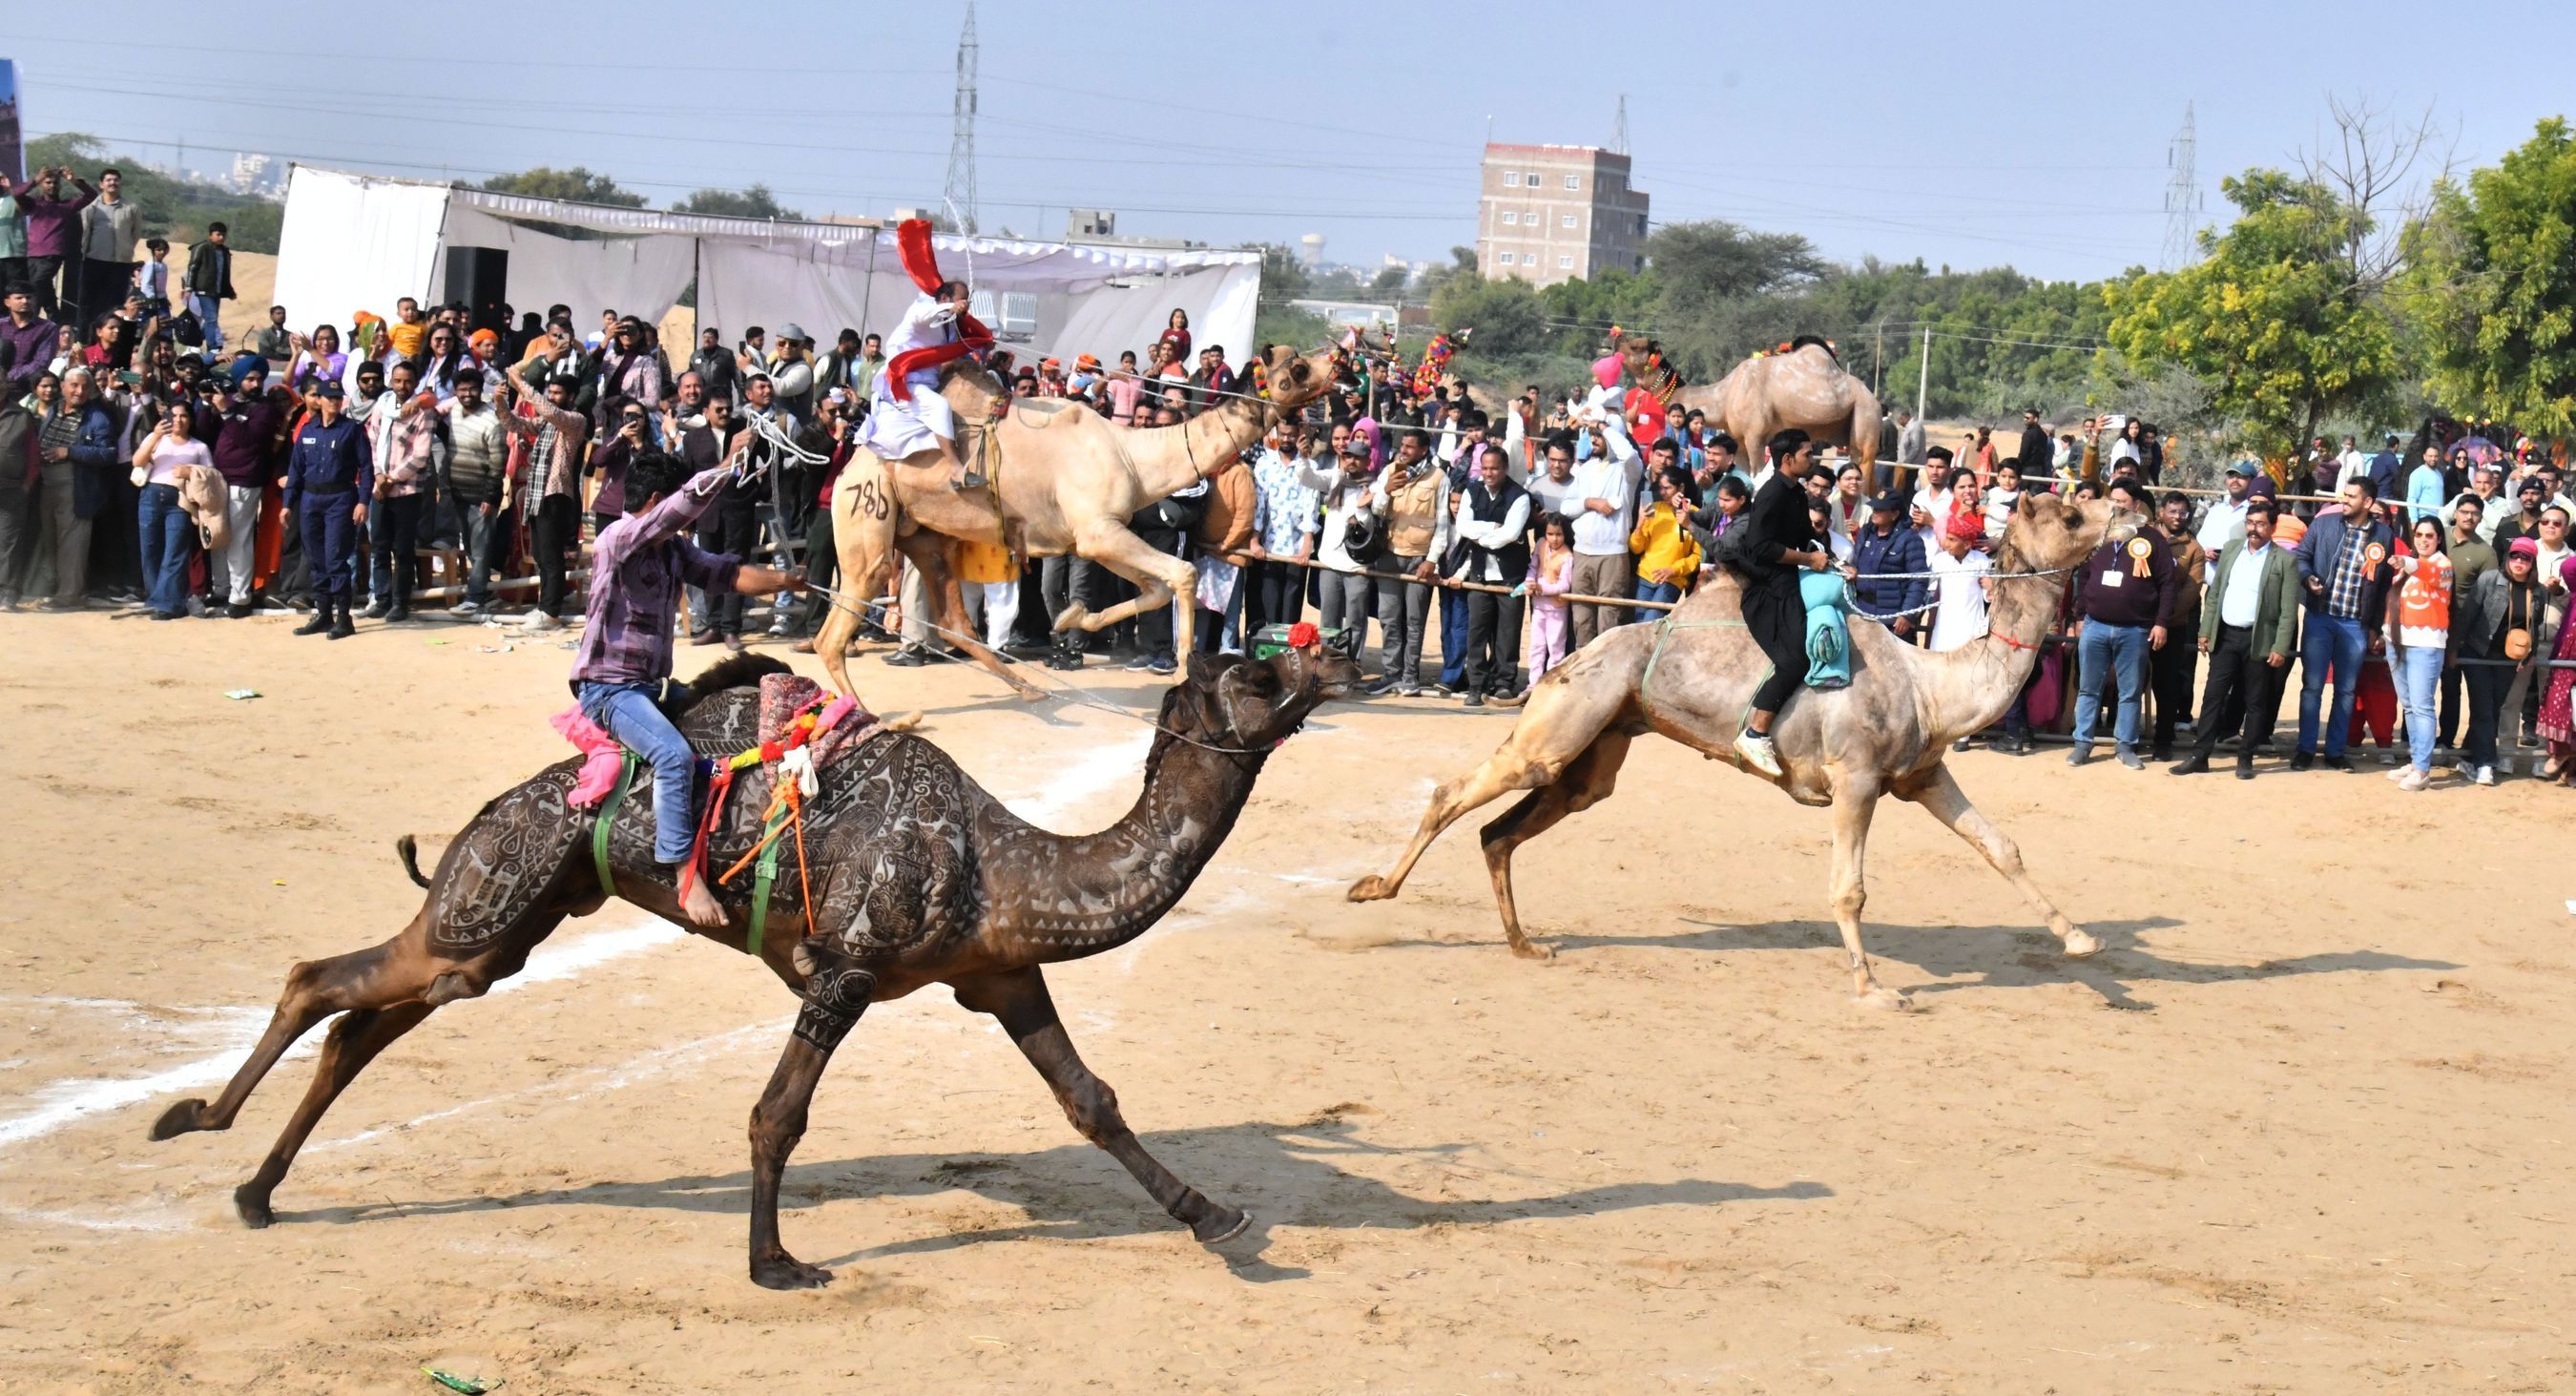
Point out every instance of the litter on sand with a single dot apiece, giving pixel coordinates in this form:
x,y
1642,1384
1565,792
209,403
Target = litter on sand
x,y
501,648
241,695
471,1386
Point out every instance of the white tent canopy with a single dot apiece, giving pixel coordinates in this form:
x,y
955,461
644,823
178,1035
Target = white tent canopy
x,y
356,242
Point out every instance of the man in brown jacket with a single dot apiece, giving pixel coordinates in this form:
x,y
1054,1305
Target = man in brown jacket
x,y
1412,496
1224,538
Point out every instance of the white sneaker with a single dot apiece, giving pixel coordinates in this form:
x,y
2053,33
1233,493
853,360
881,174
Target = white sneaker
x,y
2400,773
2412,779
1758,752
539,620
466,608
2485,775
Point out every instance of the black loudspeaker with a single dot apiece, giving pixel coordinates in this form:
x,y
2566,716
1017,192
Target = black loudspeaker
x,y
480,277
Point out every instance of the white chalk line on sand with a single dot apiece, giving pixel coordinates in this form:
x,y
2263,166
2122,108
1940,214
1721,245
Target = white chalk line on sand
x,y
61,1103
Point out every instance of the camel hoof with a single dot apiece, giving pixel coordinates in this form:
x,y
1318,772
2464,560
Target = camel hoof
x,y
1892,1000
1072,616
250,1203
1222,1224
2079,945
785,1271
1529,950
182,1118
1371,888
904,723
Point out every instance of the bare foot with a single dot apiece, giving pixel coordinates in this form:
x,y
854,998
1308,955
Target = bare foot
x,y
699,905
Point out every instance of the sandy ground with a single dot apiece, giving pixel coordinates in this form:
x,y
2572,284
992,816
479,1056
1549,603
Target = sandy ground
x,y
2304,1127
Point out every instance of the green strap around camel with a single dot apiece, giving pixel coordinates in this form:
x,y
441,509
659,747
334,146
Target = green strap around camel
x,y
764,872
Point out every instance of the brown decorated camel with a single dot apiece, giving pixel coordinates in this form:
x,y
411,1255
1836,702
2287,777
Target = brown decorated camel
x,y
919,877
1805,388
1887,734
1063,478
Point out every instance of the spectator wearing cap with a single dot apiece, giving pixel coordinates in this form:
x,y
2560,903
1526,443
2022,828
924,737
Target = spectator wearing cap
x,y
248,432
2224,521
2530,493
2126,594
1960,584
1888,566
791,372
2249,624
1601,505
330,476
2344,575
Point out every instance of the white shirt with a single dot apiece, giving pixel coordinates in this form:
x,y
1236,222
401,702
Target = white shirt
x,y
2241,605
2222,525
1548,495
1613,478
1959,613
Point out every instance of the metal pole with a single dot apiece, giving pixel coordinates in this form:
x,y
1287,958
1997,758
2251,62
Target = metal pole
x,y
1923,386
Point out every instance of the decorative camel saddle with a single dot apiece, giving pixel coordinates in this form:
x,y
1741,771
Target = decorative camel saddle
x,y
802,729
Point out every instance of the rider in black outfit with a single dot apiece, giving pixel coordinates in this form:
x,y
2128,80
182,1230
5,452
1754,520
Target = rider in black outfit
x,y
1778,545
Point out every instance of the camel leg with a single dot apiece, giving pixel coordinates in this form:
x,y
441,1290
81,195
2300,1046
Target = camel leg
x,y
1855,801
835,995
932,553
354,1041
1560,723
863,541
315,989
1019,999
1585,783
1940,797
1160,579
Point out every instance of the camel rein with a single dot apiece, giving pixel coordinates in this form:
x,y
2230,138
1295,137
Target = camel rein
x,y
1068,689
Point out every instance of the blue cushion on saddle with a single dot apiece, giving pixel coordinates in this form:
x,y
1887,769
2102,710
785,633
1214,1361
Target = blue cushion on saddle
x,y
1828,633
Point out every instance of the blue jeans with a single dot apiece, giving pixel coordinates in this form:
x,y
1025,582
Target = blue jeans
x,y
210,310
629,713
1653,591
166,536
2420,681
1453,638
2336,643
2125,648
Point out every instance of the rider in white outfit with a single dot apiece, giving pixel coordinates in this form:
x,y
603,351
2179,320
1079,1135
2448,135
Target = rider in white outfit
x,y
897,428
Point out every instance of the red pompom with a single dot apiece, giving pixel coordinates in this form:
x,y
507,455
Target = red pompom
x,y
1303,635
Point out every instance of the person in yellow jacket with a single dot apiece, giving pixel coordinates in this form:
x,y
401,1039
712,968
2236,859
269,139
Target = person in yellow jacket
x,y
1667,556
989,579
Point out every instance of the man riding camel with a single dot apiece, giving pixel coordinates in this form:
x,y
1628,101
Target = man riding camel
x,y
902,417
622,676
1777,543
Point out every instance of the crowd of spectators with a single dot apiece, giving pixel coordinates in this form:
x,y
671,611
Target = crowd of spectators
x,y
1483,546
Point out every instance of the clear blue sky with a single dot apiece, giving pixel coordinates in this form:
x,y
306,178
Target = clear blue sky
x,y
1967,134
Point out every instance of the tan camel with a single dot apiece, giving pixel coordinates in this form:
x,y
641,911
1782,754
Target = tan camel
x,y
1064,479
1692,678
1804,388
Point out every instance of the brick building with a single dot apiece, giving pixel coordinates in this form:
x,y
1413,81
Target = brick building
x,y
1550,213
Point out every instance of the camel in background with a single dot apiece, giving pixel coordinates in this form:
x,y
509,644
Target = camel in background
x,y
1063,479
1691,678
1804,388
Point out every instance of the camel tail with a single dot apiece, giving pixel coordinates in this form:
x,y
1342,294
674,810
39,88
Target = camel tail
x,y
408,849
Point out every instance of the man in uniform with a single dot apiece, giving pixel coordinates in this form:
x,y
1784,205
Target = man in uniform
x,y
330,473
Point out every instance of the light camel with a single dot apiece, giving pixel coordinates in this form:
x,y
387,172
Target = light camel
x,y
1062,479
1804,388
1691,679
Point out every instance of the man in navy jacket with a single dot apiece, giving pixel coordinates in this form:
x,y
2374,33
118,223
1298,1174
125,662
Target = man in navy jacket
x,y
1888,564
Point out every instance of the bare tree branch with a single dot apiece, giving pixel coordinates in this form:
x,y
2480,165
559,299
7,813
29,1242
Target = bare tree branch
x,y
2375,165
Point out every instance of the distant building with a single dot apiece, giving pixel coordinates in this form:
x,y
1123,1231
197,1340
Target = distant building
x,y
1551,213
1310,249
258,174
1368,315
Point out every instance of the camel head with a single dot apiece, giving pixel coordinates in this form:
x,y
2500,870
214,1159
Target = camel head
x,y
2051,531
1255,704
1297,379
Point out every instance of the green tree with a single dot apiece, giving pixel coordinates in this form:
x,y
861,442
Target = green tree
x,y
1506,313
754,202
2491,284
1388,284
2276,315
575,185
1283,276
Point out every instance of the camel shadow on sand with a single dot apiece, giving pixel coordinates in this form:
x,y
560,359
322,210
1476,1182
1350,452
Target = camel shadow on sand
x,y
1283,1174
1990,957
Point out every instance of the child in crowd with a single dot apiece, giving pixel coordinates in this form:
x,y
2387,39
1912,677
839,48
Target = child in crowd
x,y
1551,575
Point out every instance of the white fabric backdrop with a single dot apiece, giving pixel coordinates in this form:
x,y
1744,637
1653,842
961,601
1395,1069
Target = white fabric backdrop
x,y
639,276
351,243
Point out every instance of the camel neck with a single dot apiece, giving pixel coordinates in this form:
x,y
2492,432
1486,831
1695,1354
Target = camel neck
x,y
1171,459
1979,680
1100,891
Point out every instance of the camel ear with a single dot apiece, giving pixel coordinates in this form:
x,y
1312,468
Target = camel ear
x,y
1204,669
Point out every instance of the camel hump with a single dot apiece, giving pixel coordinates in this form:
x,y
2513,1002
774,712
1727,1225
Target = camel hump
x,y
1814,341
